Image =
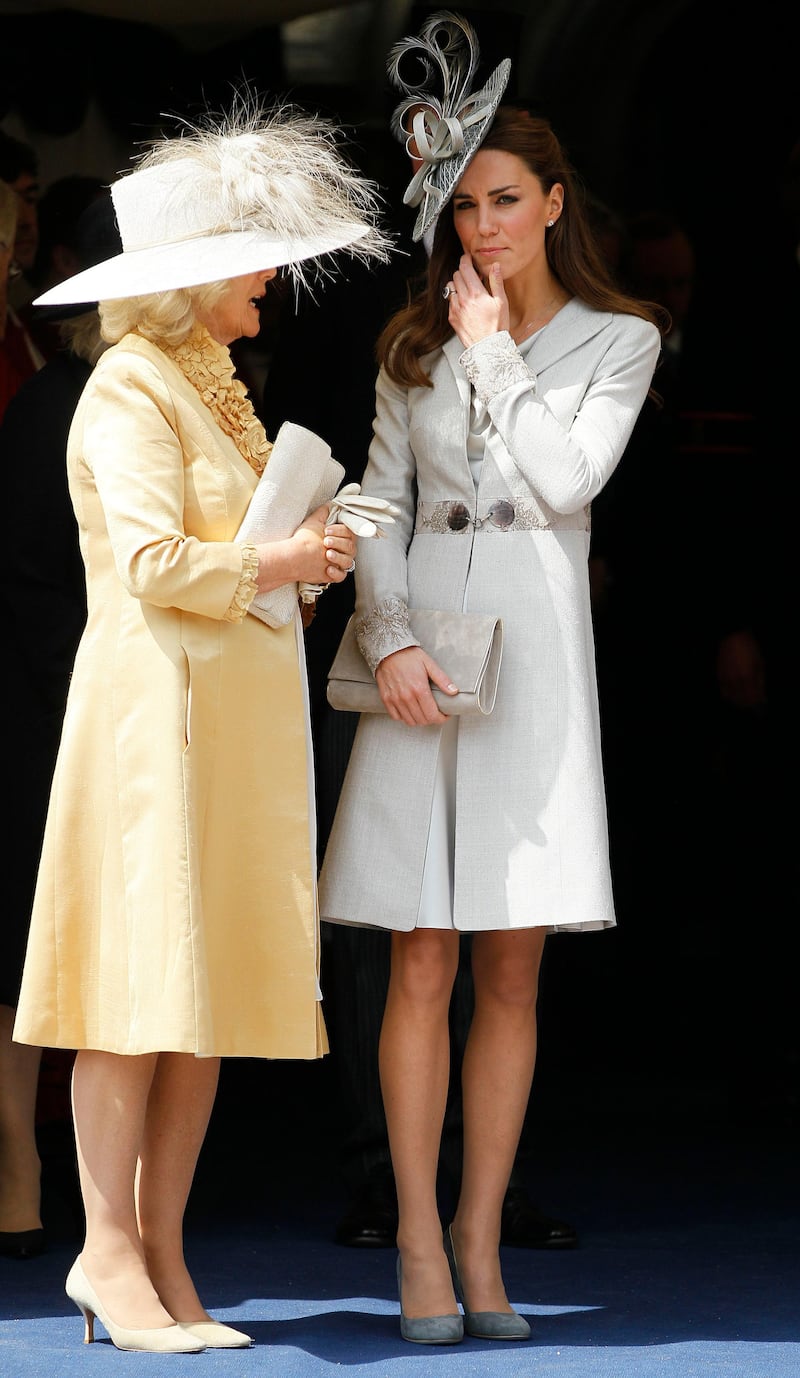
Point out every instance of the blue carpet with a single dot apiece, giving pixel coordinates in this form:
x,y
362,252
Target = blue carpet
x,y
688,1263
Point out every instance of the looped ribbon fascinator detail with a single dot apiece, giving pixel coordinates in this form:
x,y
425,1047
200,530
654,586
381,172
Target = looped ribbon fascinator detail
x,y
441,120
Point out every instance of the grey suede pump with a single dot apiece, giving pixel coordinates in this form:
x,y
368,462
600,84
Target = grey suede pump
x,y
484,1325
428,1330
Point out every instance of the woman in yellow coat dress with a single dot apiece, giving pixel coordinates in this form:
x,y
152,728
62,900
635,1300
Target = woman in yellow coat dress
x,y
175,919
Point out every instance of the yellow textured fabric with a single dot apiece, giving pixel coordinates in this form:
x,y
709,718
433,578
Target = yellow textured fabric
x,y
176,905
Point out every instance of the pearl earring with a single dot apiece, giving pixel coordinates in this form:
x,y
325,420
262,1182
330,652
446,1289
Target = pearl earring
x,y
550,224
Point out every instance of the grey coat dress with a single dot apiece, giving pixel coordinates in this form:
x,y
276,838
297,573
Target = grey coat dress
x,y
530,843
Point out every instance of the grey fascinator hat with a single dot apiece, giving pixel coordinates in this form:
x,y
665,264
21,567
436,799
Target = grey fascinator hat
x,y
232,195
441,120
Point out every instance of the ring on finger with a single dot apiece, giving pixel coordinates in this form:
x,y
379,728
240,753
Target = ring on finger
x,y
350,567
449,291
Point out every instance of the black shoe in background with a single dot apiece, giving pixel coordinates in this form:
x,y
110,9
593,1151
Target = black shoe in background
x,y
524,1227
370,1221
22,1243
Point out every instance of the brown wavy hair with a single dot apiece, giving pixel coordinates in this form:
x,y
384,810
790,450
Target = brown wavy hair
x,y
573,255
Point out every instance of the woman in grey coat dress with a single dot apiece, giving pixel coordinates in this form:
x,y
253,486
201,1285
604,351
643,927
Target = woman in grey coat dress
x,y
507,392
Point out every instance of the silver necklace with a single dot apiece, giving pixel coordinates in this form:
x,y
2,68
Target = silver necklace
x,y
526,328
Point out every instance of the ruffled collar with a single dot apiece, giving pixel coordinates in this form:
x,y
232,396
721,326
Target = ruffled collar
x,y
209,368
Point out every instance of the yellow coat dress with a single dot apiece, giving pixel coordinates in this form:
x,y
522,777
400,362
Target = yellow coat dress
x,y
175,907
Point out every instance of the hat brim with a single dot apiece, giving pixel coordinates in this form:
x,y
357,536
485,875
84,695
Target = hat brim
x,y
192,262
64,311
447,174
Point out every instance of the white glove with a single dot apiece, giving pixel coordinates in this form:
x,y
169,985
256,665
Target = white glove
x,y
361,514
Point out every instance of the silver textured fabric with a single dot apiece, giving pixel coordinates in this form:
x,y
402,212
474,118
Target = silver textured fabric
x,y
531,844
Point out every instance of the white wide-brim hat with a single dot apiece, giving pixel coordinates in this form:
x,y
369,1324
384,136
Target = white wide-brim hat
x,y
441,116
273,196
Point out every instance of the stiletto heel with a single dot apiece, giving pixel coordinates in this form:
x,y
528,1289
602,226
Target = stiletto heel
x,y
484,1325
88,1322
427,1330
168,1339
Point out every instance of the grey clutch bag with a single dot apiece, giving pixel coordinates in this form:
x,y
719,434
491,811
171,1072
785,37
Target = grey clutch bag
x,y
468,645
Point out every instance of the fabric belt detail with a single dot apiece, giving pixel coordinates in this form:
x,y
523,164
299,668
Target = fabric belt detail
x,y
451,518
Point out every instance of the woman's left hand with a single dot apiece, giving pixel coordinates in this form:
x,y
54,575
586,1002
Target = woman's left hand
x,y
404,680
477,310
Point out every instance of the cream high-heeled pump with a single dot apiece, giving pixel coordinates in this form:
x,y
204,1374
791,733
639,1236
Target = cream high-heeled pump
x,y
168,1339
215,1335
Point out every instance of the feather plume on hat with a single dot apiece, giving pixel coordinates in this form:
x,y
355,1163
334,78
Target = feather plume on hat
x,y
234,194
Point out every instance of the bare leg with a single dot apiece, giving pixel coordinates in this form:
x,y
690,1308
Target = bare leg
x,y
20,1169
109,1104
414,1057
178,1112
497,1073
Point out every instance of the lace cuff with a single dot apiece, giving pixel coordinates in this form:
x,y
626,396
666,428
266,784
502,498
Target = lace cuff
x,y
247,587
386,629
494,364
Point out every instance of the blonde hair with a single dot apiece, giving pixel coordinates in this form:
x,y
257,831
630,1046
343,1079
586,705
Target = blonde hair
x,y
81,334
168,316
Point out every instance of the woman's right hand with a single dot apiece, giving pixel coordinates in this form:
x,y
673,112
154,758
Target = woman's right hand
x,y
326,551
477,309
318,552
404,682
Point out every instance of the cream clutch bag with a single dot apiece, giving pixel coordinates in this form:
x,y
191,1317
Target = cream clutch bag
x,y
300,475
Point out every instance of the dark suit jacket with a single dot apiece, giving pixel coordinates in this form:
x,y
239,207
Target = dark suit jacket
x,y
44,610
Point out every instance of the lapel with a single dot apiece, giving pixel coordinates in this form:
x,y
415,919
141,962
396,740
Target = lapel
x,y
214,438
452,350
573,326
